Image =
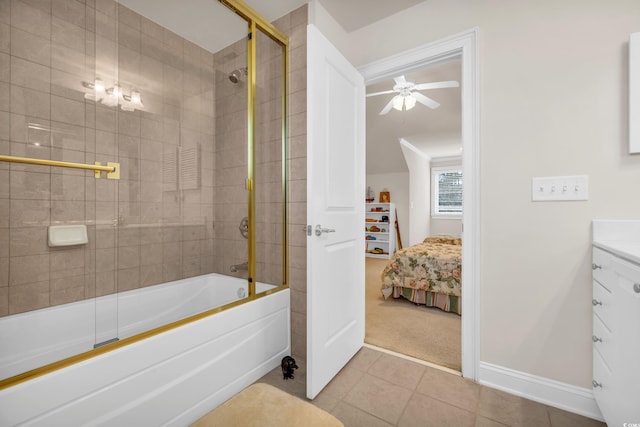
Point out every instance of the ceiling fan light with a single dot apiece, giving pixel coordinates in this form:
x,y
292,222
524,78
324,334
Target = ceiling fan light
x,y
409,102
398,100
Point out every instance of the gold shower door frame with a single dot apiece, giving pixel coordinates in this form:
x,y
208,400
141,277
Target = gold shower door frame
x,y
255,23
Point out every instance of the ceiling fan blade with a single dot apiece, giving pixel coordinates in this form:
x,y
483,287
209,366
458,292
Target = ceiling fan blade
x,y
387,108
425,100
384,92
437,85
400,80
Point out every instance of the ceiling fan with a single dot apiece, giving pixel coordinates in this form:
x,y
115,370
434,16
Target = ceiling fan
x,y
407,96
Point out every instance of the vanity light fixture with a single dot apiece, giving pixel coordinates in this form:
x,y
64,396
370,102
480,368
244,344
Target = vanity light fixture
x,y
113,96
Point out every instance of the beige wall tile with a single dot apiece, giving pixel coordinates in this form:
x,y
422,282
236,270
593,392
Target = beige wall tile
x,y
105,26
66,85
67,211
4,214
105,283
128,279
171,271
28,269
68,136
5,32
67,34
4,242
30,75
4,272
67,111
27,297
128,257
71,11
67,59
4,301
129,37
105,260
26,241
30,47
4,182
5,131
30,185
29,213
66,290
29,102
31,19
67,260
68,187
151,275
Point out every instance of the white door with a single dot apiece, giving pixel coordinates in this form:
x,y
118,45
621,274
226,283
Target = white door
x,y
335,203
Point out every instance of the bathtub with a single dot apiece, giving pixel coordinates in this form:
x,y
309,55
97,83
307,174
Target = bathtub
x,y
171,378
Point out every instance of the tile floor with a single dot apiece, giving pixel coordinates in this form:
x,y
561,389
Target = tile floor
x,y
376,389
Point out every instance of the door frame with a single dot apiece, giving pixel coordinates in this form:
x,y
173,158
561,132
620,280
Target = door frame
x,y
465,46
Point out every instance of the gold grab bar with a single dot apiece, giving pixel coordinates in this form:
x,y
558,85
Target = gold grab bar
x,y
112,169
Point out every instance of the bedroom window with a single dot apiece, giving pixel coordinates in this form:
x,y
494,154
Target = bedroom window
x,y
446,192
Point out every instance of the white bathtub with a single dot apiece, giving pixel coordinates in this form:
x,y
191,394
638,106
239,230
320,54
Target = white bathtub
x,y
168,379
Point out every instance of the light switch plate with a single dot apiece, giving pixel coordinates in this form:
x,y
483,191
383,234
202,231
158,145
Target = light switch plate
x,y
560,188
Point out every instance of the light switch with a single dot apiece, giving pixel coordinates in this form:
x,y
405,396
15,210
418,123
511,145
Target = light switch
x,y
559,188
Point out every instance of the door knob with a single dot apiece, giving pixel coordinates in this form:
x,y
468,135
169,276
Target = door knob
x,y
320,230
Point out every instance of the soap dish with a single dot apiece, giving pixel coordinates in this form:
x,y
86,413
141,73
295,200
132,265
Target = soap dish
x,y
67,235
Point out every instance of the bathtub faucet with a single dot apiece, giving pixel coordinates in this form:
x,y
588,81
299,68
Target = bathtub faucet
x,y
239,267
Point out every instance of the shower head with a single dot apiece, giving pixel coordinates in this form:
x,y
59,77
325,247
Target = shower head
x,y
235,75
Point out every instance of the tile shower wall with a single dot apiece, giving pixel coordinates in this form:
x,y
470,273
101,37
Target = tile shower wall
x,y
153,225
295,26
230,194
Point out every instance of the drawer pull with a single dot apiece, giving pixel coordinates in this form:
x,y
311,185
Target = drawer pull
x,y
596,384
596,339
595,302
595,266
636,288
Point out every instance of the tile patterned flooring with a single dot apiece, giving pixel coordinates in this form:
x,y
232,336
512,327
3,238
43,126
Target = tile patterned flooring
x,y
376,389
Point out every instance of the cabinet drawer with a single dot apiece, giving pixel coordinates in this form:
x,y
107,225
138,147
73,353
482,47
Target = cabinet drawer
x,y
628,280
601,302
601,384
602,340
601,267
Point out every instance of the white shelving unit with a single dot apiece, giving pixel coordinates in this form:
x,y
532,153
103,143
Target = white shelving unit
x,y
385,239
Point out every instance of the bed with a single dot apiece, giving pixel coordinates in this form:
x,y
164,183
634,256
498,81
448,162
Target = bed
x,y
427,273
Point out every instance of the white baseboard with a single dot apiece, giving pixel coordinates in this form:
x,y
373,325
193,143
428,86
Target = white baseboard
x,y
567,397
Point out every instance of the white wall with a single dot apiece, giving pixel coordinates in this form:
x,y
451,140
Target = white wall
x,y
419,191
553,101
398,186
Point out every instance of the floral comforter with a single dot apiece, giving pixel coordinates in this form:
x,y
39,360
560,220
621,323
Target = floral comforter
x,y
434,266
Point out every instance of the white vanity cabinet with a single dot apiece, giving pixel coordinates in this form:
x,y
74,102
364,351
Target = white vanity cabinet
x,y
616,325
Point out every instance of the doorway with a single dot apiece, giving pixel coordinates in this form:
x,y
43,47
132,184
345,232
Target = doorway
x,y
405,148
463,45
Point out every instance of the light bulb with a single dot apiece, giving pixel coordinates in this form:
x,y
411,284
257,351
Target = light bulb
x,y
398,100
98,87
116,92
409,102
135,97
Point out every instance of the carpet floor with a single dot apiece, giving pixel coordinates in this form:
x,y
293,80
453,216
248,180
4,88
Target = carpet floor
x,y
428,334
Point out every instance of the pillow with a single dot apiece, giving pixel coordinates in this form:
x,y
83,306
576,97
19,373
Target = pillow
x,y
447,240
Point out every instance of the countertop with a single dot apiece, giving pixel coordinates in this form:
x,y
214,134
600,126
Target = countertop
x,y
626,250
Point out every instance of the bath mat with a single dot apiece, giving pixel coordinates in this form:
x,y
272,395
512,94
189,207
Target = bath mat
x,y
262,405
